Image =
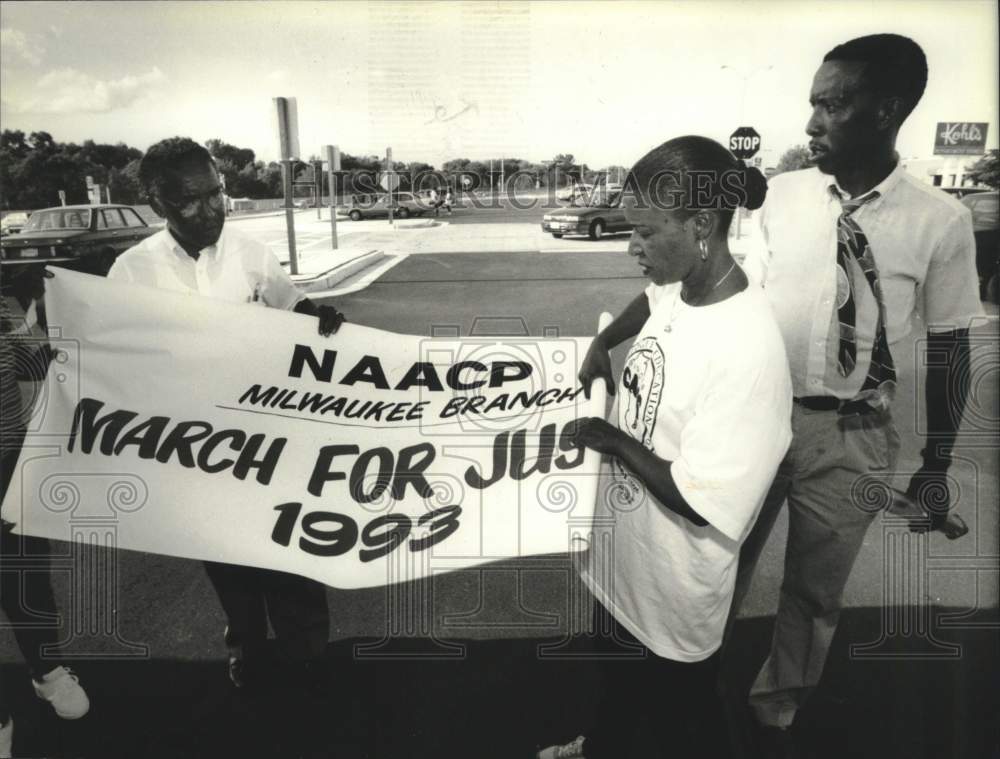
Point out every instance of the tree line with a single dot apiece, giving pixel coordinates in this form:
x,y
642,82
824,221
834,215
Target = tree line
x,y
35,167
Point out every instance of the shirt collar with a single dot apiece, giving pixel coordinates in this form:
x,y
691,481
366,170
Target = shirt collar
x,y
882,188
211,251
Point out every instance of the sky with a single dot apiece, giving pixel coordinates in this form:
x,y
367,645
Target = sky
x,y
603,81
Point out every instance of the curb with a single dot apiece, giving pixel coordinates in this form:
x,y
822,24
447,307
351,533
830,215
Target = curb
x,y
310,283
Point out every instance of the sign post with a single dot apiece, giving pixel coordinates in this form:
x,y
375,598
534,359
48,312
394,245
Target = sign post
x,y
390,181
333,166
288,138
317,167
744,144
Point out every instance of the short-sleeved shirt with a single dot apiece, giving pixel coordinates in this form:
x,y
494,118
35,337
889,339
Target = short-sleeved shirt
x,y
237,269
706,388
924,252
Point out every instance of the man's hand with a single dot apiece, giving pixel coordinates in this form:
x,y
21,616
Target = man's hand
x,y
929,489
330,320
597,365
596,434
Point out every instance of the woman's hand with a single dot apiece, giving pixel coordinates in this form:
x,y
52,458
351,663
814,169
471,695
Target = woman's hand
x,y
597,365
596,434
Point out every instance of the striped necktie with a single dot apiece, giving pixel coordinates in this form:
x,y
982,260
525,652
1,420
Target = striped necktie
x,y
852,243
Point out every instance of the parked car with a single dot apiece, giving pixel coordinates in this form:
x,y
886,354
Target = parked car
x,y
595,219
961,192
985,226
582,191
424,198
374,206
13,223
86,238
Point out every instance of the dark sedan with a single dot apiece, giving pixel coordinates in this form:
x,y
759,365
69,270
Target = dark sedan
x,y
601,215
85,238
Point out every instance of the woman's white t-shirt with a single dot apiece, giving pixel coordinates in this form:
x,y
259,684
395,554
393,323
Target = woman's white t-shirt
x,y
706,388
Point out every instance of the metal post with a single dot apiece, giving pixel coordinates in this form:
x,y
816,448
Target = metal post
x,y
318,182
287,166
333,166
739,218
388,180
288,139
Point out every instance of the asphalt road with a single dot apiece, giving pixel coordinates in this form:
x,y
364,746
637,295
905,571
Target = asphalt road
x,y
167,623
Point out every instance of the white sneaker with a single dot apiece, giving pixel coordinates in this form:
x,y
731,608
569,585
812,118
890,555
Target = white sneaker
x,y
61,688
571,750
7,739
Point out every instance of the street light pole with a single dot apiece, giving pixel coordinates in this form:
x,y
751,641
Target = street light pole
x,y
746,79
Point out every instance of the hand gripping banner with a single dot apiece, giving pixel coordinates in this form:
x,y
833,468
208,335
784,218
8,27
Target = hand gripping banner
x,y
235,433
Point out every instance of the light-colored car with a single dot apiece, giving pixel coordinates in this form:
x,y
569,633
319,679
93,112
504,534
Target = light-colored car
x,y
583,191
13,223
986,228
963,192
375,206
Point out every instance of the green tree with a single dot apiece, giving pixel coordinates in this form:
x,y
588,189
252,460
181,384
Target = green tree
x,y
793,159
986,170
223,151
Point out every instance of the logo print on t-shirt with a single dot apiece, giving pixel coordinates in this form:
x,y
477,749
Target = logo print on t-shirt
x,y
639,402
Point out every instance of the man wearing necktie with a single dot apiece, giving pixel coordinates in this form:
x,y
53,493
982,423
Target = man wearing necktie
x,y
855,247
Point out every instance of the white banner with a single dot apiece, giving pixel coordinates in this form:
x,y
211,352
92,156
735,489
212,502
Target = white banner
x,y
197,428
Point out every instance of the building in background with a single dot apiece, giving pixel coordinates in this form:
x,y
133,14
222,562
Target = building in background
x,y
957,145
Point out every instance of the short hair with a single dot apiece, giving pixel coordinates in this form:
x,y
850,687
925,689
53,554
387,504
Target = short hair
x,y
670,176
166,156
894,66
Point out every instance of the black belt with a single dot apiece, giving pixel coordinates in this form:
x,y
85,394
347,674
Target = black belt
x,y
830,403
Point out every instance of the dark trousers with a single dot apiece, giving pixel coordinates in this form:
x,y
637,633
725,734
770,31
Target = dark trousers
x,y
25,582
295,605
678,700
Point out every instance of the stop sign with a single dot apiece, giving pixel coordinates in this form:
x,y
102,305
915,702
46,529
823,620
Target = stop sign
x,y
744,142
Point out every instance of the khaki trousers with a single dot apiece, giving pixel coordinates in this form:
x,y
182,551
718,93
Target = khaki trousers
x,y
823,470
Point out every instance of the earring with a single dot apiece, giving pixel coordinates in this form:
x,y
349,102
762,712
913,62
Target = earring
x,y
703,247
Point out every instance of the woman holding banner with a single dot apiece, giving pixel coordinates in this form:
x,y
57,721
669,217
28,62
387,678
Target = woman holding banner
x,y
700,425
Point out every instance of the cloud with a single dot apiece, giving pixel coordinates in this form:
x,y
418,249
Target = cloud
x,y
21,47
68,90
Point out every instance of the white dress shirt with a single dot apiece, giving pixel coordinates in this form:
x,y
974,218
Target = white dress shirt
x,y
237,269
924,252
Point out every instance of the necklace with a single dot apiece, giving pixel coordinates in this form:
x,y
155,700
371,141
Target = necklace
x,y
730,271
673,308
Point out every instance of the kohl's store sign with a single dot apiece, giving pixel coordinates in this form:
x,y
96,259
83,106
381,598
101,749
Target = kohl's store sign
x,y
960,138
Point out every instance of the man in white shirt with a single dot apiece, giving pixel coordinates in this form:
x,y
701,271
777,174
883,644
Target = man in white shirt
x,y
198,254
855,246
